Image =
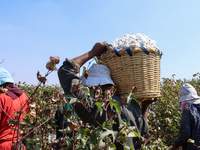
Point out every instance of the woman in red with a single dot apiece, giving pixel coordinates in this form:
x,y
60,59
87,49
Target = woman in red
x,y
11,101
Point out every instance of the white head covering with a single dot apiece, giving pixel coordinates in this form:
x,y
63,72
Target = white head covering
x,y
97,75
188,96
187,92
5,76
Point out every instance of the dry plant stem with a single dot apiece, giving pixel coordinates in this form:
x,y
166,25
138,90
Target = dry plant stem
x,y
38,126
106,116
157,131
42,139
1,61
95,143
86,109
73,140
7,114
145,143
18,127
48,72
21,108
93,117
13,137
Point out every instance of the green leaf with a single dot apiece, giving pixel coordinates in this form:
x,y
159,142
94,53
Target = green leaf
x,y
130,97
84,69
73,100
36,140
68,143
66,130
108,132
125,122
116,104
101,144
130,135
69,96
108,122
100,61
191,141
91,144
136,134
126,146
95,134
96,59
82,132
112,147
84,142
98,104
86,90
28,139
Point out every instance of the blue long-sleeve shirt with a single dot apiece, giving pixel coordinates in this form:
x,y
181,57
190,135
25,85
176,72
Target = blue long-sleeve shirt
x,y
190,128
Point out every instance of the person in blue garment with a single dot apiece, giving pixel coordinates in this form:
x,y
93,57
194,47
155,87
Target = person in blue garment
x,y
189,103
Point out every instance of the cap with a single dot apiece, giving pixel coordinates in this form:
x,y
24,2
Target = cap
x,y
97,75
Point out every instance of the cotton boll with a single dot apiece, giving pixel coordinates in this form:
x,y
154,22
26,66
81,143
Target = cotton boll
x,y
137,44
131,45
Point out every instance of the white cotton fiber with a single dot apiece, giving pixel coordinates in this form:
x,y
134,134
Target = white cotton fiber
x,y
131,40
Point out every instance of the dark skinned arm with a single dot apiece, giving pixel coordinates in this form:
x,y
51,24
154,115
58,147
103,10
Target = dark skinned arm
x,y
97,50
145,107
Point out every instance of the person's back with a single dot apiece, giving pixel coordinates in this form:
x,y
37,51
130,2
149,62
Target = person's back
x,y
10,106
11,100
189,103
190,128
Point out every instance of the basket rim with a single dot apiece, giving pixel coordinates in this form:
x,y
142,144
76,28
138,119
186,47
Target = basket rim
x,y
132,49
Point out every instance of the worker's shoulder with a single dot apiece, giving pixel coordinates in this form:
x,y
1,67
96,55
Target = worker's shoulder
x,y
5,99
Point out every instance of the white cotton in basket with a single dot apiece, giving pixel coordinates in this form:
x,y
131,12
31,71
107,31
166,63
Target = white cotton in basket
x,y
131,40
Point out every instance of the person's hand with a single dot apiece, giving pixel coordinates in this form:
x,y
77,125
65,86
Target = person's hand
x,y
98,48
148,102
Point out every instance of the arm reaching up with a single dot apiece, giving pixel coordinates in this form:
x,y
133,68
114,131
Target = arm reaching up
x,y
97,50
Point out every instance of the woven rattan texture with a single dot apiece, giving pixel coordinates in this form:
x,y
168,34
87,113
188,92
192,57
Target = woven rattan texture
x,y
140,70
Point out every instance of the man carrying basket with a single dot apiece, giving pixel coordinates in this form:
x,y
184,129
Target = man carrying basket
x,y
99,75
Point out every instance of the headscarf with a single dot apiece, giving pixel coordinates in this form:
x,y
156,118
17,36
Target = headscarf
x,y
188,96
6,81
5,76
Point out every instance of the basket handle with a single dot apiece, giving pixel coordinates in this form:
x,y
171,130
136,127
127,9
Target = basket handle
x,y
109,48
145,50
159,53
129,51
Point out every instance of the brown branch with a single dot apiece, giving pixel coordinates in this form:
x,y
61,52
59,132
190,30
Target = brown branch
x,y
7,114
37,127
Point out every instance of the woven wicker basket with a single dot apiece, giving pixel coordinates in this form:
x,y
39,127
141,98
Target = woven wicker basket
x,y
141,70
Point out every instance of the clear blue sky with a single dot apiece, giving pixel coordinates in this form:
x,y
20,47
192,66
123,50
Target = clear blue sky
x,y
32,31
